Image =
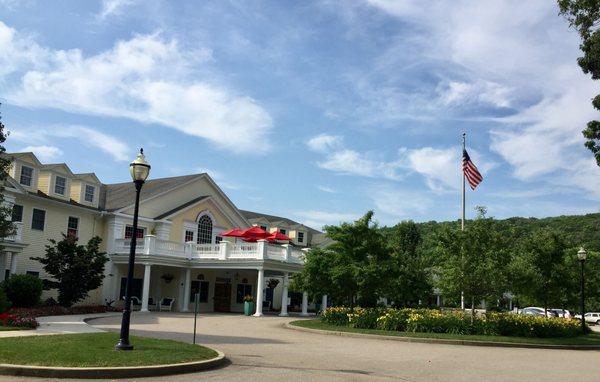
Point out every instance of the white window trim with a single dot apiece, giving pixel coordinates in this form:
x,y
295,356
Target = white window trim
x,y
32,185
189,226
78,224
85,185
55,178
45,218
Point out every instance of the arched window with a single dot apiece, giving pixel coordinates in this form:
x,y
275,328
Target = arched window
x,y
205,228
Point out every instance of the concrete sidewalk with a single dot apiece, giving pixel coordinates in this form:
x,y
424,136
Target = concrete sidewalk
x,y
60,325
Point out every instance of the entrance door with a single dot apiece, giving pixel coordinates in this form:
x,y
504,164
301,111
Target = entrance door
x,y
222,300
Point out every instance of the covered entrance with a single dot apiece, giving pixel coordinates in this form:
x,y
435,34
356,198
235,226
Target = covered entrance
x,y
222,299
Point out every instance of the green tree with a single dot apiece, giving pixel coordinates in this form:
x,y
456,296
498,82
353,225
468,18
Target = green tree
x,y
584,16
408,269
6,226
76,269
349,269
540,272
474,261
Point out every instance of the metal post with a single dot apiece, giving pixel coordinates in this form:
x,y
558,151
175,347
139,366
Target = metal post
x,y
196,300
582,298
124,341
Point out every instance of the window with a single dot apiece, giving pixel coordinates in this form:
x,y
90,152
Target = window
x,y
17,213
283,231
60,185
26,175
89,193
218,239
33,273
242,291
37,220
72,226
129,232
136,288
189,235
300,237
200,287
205,226
263,227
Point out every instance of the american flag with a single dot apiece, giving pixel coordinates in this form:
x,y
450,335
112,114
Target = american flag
x,y
471,173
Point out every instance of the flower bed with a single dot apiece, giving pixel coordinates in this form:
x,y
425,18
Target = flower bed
x,y
57,310
16,321
453,322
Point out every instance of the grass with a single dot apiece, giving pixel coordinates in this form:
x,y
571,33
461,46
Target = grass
x,y
590,339
7,328
97,350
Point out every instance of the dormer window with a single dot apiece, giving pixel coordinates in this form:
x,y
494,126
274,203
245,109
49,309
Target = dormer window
x,y
60,185
26,176
300,237
282,231
89,193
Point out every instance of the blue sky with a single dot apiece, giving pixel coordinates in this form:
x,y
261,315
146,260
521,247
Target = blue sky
x,y
318,111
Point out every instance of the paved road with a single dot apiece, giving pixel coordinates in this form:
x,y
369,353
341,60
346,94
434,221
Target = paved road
x,y
260,349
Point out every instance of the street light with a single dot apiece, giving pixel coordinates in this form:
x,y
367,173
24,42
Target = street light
x,y
139,169
582,255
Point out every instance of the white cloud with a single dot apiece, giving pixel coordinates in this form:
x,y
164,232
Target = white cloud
x,y
318,219
44,153
324,143
458,93
146,78
396,204
327,189
86,136
350,162
114,7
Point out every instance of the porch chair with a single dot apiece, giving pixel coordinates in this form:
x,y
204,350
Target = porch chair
x,y
166,304
135,303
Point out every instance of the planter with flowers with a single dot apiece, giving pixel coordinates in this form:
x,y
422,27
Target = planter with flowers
x,y
248,305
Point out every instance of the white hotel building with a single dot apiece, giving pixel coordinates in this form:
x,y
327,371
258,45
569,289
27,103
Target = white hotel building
x,y
180,251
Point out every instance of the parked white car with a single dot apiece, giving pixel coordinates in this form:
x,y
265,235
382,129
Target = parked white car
x,y
536,311
590,318
562,313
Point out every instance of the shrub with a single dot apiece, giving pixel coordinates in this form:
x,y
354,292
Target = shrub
x,y
453,322
23,290
4,303
17,321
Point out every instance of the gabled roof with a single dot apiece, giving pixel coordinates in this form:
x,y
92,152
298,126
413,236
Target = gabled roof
x,y
57,166
272,219
25,154
87,176
120,195
181,207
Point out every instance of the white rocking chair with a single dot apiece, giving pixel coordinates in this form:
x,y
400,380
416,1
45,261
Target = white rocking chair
x,y
166,303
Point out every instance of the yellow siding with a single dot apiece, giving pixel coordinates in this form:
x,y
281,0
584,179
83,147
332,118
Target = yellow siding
x,y
57,215
191,215
76,190
44,183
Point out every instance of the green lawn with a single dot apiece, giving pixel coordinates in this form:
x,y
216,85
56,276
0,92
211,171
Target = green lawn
x,y
590,339
7,328
97,349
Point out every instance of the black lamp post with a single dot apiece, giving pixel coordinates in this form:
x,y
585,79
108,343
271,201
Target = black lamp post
x,y
139,169
582,255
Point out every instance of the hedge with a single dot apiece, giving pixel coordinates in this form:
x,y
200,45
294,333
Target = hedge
x,y
454,322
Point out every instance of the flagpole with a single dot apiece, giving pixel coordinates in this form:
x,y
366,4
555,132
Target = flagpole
x,y
462,221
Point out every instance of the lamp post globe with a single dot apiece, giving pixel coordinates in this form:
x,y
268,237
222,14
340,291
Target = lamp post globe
x,y
139,170
582,256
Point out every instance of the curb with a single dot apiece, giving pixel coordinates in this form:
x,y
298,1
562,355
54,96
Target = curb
x,y
442,341
112,372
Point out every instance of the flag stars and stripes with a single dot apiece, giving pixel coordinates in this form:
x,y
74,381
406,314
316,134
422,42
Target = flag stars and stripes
x,y
470,171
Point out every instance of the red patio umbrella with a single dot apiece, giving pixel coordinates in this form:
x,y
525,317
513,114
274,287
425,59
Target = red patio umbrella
x,y
235,232
278,236
255,233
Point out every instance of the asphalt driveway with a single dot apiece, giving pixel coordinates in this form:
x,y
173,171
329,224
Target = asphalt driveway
x,y
260,349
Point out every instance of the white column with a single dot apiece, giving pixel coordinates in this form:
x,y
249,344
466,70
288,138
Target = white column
x,y
284,295
13,263
260,284
187,290
304,304
223,250
3,257
261,248
324,303
146,287
438,302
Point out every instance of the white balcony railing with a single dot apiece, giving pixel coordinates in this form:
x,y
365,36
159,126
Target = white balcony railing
x,y
18,236
150,245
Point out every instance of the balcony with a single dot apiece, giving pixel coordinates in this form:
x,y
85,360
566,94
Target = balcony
x,y
223,251
18,236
